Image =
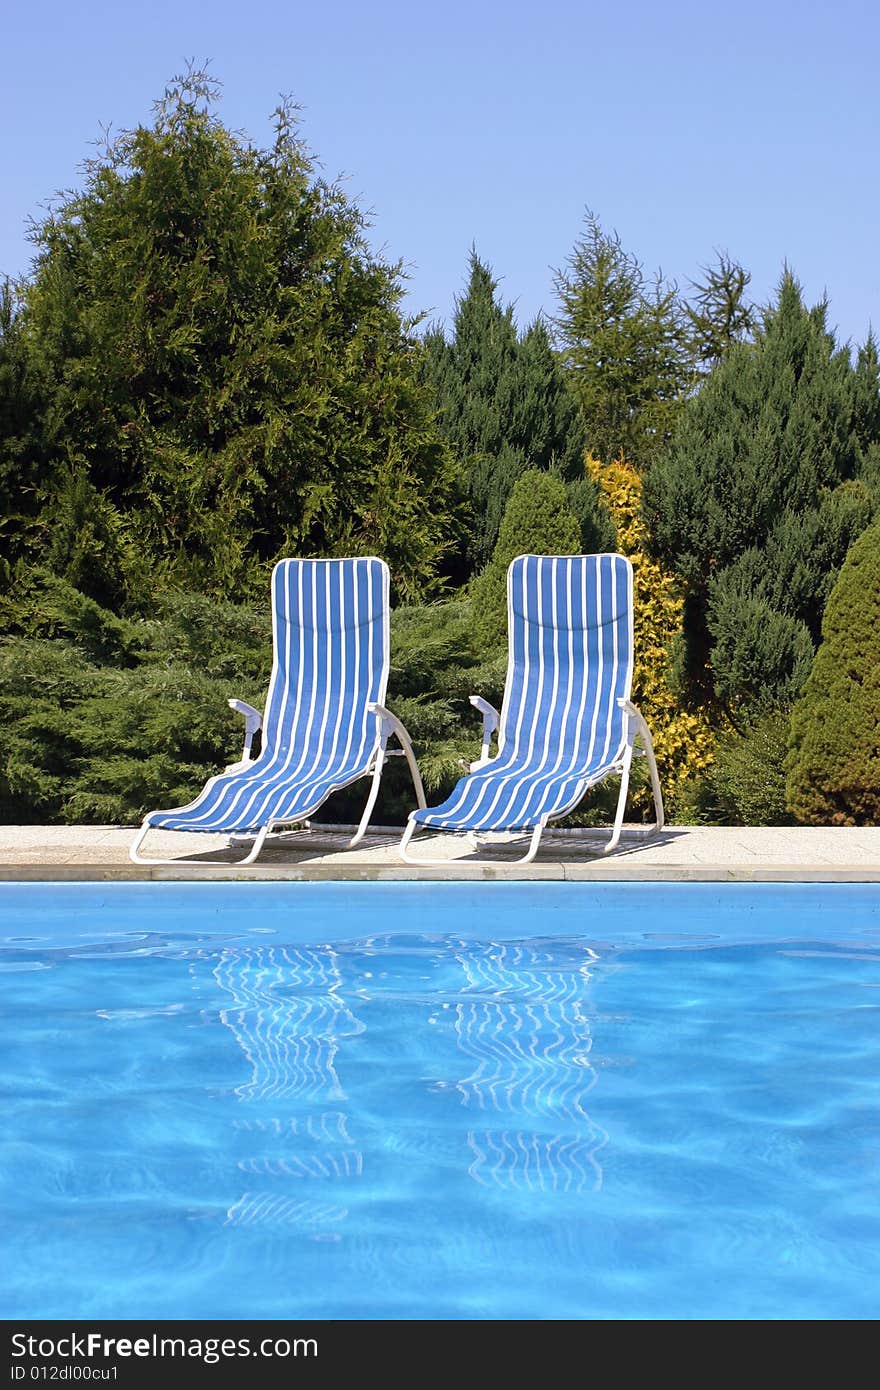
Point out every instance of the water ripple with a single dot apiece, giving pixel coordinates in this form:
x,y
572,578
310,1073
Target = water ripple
x,y
428,1127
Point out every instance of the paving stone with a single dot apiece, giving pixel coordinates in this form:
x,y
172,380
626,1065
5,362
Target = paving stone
x,y
681,852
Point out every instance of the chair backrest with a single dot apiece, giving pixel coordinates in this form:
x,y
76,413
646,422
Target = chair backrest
x,y
330,627
570,636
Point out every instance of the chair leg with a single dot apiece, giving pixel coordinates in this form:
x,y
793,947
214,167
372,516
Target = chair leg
x,y
371,799
258,844
389,726
404,741
533,846
403,847
621,801
137,858
408,858
645,735
134,851
655,780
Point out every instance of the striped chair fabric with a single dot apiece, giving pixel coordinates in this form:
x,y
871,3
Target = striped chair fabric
x,y
330,631
562,729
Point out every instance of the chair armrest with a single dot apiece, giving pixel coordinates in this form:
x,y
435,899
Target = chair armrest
x,y
635,719
253,721
390,724
491,720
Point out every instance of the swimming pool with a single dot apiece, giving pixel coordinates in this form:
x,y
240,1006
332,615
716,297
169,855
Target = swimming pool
x,y
443,1101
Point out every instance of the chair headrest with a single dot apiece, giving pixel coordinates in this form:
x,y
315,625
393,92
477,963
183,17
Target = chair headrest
x,y
584,591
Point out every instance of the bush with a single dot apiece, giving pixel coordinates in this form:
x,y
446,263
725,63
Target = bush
x,y
102,718
761,657
833,765
435,666
683,739
749,775
537,521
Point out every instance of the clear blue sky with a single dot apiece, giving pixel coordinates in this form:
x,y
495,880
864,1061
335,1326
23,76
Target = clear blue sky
x,y
685,125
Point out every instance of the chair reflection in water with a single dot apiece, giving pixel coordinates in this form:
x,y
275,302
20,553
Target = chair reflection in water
x,y
287,1014
527,1034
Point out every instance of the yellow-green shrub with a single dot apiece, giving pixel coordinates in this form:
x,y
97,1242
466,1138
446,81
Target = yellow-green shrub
x,y
683,740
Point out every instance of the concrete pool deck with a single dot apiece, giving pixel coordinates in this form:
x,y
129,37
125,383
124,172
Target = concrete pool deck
x,y
696,853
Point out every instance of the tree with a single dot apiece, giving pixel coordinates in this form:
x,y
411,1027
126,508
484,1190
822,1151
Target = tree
x,y
684,742
504,406
833,767
719,314
764,487
749,773
20,473
224,362
537,521
624,345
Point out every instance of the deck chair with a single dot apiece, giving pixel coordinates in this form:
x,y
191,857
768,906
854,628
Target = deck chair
x,y
325,724
566,721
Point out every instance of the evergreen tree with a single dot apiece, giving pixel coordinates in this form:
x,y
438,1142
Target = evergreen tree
x,y
625,347
224,364
834,764
719,313
504,406
683,738
764,487
20,473
866,411
537,521
749,773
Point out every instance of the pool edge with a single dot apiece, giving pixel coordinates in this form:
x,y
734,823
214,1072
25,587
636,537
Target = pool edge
x,y
602,872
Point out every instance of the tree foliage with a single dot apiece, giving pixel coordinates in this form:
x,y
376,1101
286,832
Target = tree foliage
x,y
103,718
505,407
683,739
833,767
719,314
19,467
625,346
208,368
764,487
537,521
749,772
220,369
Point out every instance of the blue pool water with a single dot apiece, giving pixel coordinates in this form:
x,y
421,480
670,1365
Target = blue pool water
x,y
442,1101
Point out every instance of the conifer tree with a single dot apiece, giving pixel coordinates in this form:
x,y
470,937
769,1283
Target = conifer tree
x,y
505,407
719,314
538,520
834,764
224,361
624,345
766,483
20,463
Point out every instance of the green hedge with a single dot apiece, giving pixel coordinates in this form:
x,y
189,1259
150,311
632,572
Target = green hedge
x,y
834,764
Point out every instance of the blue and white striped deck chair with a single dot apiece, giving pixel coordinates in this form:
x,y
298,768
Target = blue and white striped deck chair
x,y
567,721
325,723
